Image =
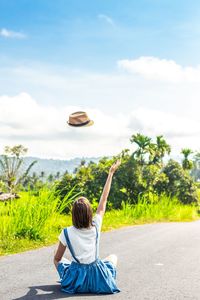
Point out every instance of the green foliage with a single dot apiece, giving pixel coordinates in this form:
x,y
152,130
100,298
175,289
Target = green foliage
x,y
187,164
148,151
2,186
11,168
158,150
32,221
179,183
144,145
153,207
32,217
195,172
144,189
140,173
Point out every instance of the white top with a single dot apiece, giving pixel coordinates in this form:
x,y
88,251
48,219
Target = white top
x,y
83,240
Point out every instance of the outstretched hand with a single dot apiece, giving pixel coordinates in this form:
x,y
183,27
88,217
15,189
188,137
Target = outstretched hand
x,y
115,166
103,200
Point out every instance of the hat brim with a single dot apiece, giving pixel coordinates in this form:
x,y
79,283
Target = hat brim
x,y
82,125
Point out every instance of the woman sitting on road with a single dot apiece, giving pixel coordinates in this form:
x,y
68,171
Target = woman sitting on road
x,y
86,273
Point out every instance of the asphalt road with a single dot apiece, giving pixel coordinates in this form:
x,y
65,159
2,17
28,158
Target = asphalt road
x,y
156,261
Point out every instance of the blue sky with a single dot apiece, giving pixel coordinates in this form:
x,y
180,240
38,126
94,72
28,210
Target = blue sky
x,y
120,60
76,33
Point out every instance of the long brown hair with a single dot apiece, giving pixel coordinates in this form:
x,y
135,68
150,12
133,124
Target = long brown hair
x,y
82,213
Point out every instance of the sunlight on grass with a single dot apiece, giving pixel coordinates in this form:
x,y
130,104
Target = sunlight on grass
x,y
34,221
158,209
31,220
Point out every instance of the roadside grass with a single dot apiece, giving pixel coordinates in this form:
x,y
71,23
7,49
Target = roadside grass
x,y
34,221
155,209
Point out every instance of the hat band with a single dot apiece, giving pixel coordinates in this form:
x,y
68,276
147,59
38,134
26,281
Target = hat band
x,y
78,125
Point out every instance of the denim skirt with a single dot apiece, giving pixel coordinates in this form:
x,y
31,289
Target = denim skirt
x,y
97,277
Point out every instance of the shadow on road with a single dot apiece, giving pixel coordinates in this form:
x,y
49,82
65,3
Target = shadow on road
x,y
52,292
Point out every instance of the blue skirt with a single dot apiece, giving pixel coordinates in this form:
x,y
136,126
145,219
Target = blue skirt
x,y
97,277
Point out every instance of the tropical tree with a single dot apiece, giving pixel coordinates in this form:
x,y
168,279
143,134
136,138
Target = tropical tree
x,y
197,159
143,142
42,175
50,178
57,176
159,150
83,162
187,164
140,174
179,183
195,173
33,182
11,167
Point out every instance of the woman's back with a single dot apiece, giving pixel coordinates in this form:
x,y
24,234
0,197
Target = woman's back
x,y
83,241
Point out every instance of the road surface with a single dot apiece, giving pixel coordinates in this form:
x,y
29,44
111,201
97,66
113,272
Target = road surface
x,y
156,262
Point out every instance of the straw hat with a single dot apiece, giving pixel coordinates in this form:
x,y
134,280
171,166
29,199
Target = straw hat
x,y
79,119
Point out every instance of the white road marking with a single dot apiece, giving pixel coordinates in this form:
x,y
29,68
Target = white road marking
x,y
159,264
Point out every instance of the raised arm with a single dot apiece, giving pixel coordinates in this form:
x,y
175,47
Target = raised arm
x,y
103,200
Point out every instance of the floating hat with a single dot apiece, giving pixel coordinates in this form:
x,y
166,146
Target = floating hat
x,y
79,119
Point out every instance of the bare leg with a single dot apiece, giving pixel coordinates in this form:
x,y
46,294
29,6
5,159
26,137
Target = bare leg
x,y
112,258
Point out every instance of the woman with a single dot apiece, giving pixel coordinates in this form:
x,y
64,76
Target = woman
x,y
86,273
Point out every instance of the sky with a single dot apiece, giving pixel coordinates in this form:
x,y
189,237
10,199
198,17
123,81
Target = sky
x,y
133,66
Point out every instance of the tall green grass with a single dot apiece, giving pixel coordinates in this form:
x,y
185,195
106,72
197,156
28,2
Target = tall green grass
x,y
32,217
36,220
149,209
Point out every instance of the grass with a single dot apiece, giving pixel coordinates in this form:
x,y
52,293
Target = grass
x,y
34,221
157,209
31,221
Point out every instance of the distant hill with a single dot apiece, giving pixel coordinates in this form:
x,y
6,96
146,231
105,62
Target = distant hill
x,y
52,166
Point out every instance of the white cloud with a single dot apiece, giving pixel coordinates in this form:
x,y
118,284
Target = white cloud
x,y
43,128
161,69
11,34
107,19
109,93
120,103
153,122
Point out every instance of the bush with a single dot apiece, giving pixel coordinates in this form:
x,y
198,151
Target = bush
x,y
179,183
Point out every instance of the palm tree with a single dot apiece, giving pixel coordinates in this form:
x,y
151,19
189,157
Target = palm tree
x,y
83,162
195,173
186,163
75,170
159,150
57,176
11,167
50,178
42,175
143,142
197,159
